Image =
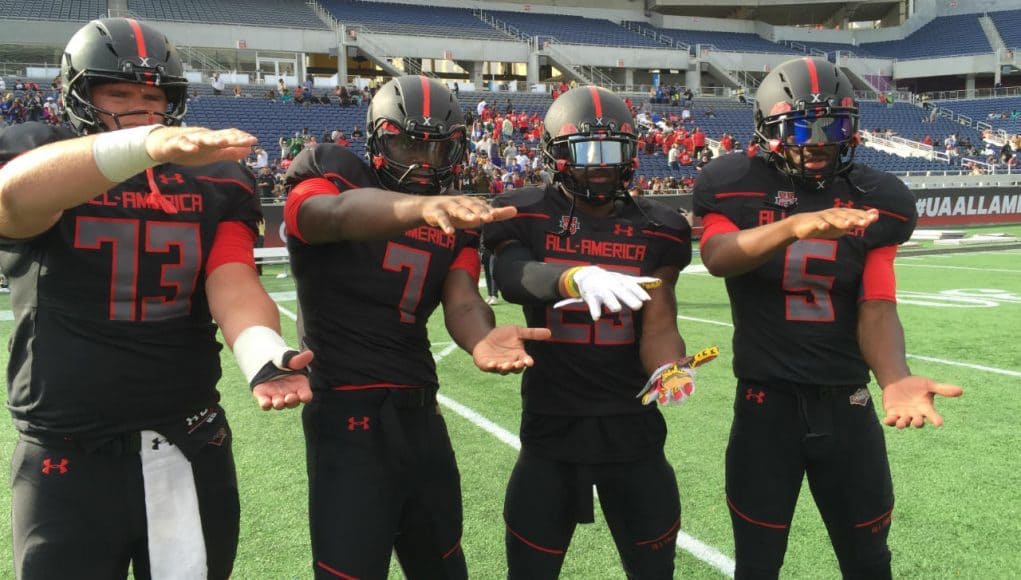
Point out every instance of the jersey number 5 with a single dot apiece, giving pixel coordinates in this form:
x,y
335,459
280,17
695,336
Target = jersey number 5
x,y
122,235
808,295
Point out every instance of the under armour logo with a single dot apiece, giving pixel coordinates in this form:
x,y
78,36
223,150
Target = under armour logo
x,y
618,230
48,466
838,203
363,423
759,397
176,178
157,441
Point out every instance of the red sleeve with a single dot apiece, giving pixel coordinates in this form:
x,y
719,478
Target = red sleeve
x,y
304,190
469,261
715,224
234,242
878,281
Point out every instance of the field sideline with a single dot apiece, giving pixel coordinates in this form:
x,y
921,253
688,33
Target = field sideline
x,y
958,488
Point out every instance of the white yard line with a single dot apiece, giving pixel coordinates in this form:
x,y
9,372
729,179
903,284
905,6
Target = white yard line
x,y
1004,270
953,363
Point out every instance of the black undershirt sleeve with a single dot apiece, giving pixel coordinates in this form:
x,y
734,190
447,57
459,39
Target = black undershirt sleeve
x,y
524,280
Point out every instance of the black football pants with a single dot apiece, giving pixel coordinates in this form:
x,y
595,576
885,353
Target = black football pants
x,y
87,508
382,478
831,433
547,498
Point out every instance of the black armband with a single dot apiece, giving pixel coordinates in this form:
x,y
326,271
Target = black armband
x,y
524,280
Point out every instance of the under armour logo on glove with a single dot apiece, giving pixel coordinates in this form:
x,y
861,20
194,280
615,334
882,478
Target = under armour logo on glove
x,y
673,382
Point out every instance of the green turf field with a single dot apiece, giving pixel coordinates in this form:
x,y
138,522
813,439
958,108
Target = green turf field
x,y
958,510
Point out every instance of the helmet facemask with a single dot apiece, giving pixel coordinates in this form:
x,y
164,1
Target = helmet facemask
x,y
594,166
84,114
416,159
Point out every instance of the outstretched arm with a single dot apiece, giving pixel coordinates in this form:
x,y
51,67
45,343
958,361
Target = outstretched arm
x,y
735,252
378,214
471,323
907,398
37,186
250,323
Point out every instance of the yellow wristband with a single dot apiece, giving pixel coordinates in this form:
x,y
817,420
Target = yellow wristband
x,y
568,287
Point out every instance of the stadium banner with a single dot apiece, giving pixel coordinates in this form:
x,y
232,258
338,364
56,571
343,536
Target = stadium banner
x,y
937,207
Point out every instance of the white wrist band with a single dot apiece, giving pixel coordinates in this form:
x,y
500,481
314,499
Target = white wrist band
x,y
256,346
121,154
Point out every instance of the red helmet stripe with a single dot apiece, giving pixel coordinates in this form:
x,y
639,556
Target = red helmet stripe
x,y
425,97
596,102
813,74
139,38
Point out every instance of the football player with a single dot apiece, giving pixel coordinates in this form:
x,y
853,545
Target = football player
x,y
806,240
598,267
124,238
370,270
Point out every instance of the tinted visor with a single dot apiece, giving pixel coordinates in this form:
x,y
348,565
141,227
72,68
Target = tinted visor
x,y
815,128
407,149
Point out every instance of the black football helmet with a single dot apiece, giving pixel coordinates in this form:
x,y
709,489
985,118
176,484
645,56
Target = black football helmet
x,y
589,140
120,50
417,141
807,104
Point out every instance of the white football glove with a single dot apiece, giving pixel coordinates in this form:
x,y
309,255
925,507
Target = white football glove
x,y
598,288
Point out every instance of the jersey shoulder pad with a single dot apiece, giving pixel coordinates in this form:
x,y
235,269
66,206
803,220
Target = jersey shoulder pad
x,y
334,162
663,214
898,213
727,182
523,198
17,139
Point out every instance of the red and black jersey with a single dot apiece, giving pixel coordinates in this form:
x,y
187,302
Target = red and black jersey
x,y
365,304
589,368
796,316
112,330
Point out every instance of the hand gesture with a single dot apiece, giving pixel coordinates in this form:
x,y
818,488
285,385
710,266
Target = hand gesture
x,y
598,288
830,224
450,212
674,382
197,145
909,401
286,390
503,349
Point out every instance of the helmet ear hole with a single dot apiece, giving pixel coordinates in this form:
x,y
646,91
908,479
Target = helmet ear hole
x,y
378,161
775,145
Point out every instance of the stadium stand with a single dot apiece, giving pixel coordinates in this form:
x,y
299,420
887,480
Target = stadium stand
x,y
723,41
1008,24
1000,113
270,13
573,29
943,36
411,20
76,11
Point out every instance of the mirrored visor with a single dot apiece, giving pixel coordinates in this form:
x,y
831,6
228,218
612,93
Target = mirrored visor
x,y
598,152
815,129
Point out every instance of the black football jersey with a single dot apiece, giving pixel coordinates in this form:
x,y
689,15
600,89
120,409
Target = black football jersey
x,y
795,317
365,304
589,368
112,330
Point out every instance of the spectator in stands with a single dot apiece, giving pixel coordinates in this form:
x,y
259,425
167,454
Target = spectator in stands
x,y
344,96
672,158
309,85
740,95
237,91
480,107
390,482
132,418
264,182
270,95
356,133
3,85
19,85
217,84
688,97
457,89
